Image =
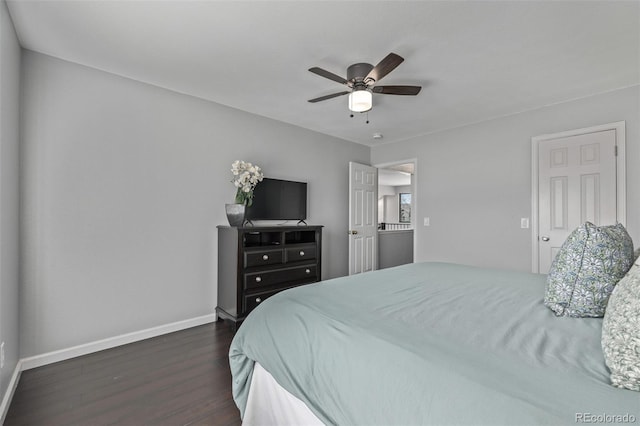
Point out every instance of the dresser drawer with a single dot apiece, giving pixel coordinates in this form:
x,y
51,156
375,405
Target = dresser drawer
x,y
262,257
251,301
296,254
254,280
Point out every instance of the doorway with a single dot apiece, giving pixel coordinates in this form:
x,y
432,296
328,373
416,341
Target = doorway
x,y
397,201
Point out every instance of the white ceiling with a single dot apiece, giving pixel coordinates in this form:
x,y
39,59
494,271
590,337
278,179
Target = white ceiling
x,y
393,178
476,60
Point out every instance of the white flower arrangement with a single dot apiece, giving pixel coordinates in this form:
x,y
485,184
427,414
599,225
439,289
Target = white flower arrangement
x,y
245,178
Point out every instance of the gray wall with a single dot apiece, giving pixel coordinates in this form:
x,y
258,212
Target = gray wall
x,y
9,194
123,186
474,182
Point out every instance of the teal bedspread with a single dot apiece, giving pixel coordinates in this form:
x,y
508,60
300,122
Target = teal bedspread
x,y
430,344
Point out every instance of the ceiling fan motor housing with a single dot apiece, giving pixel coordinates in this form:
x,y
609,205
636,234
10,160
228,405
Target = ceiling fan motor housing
x,y
358,72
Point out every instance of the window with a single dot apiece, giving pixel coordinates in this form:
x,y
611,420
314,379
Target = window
x,y
405,208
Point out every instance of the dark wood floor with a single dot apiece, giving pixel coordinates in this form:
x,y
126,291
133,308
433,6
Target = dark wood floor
x,y
180,378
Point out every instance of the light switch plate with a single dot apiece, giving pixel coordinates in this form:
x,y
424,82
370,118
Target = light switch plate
x,y
426,221
524,223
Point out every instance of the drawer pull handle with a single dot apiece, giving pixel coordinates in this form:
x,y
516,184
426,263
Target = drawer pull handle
x,y
301,252
258,300
265,257
307,271
258,279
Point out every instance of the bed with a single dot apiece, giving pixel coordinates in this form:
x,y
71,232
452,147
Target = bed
x,y
425,343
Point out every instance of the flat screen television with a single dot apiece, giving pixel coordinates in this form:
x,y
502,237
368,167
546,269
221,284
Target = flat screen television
x,y
275,199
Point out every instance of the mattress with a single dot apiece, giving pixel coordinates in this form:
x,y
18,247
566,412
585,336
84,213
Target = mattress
x,y
269,403
429,343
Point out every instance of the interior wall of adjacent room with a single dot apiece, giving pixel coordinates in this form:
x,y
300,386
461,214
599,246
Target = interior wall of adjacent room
x,y
392,202
124,184
475,180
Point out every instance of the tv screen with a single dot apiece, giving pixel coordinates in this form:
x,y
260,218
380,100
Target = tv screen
x,y
275,199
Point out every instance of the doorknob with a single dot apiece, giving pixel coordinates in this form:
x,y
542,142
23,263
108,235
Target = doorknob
x,y
544,238
353,232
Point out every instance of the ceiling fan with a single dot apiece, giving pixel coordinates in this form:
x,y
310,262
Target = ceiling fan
x,y
361,80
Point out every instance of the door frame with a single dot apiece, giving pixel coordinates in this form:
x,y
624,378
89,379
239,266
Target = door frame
x,y
621,181
414,197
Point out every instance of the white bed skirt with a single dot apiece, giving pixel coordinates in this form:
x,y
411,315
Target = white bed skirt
x,y
269,404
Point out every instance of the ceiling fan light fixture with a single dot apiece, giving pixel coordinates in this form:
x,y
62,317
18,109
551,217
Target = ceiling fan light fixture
x,y
360,100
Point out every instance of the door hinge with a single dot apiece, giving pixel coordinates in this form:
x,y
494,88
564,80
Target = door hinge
x,y
616,150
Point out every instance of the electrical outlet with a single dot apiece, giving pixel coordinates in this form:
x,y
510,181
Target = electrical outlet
x,y
1,355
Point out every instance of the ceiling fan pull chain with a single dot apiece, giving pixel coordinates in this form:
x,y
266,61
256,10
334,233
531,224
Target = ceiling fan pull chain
x,y
367,117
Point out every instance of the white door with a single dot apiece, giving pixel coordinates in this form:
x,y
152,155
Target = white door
x,y
577,182
363,222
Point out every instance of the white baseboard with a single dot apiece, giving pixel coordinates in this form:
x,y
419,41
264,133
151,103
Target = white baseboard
x,y
8,395
112,342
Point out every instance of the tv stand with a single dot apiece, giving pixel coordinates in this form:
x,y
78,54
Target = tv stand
x,y
256,262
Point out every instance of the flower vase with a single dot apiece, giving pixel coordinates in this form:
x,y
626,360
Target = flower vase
x,y
235,214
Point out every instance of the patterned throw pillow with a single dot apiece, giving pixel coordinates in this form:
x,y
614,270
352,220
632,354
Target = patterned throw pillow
x,y
589,264
621,331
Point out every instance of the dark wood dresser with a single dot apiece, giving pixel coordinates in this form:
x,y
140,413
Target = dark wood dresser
x,y
256,262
